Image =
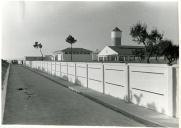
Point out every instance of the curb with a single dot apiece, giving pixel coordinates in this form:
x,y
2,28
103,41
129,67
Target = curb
x,y
3,92
112,107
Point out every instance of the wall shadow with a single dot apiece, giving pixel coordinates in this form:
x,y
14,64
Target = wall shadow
x,y
78,82
65,77
151,106
138,98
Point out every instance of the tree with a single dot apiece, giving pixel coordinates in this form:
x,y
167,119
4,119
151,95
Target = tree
x,y
156,52
139,33
140,53
175,50
38,45
149,40
71,40
154,38
170,51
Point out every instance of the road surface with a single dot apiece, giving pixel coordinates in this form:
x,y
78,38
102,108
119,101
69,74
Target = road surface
x,y
33,99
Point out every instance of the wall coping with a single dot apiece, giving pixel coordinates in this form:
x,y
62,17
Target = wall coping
x,y
117,64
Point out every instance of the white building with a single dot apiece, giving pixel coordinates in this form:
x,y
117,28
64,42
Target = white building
x,y
117,52
78,54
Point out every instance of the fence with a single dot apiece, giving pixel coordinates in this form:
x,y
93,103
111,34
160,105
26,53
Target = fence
x,y
153,86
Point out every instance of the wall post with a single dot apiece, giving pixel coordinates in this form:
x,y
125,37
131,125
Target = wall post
x,y
75,73
67,73
170,91
36,65
51,69
55,68
60,70
41,65
87,76
47,67
175,92
128,84
103,79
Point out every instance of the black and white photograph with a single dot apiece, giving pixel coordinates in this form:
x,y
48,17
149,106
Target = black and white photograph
x,y
90,63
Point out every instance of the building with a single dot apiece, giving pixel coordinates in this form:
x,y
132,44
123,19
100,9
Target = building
x,y
78,54
39,58
33,58
48,57
117,52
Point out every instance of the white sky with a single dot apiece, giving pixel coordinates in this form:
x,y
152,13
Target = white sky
x,y
90,23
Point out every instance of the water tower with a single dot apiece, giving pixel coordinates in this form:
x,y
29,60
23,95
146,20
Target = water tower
x,y
116,36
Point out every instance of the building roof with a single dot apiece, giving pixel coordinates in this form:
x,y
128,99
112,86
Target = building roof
x,y
73,50
116,29
31,58
125,47
125,50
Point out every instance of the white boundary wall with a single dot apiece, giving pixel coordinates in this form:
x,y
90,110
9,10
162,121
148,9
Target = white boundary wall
x,y
153,86
64,72
95,76
150,86
71,72
81,74
116,80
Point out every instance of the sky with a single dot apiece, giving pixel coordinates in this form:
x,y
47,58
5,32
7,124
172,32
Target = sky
x,y
90,23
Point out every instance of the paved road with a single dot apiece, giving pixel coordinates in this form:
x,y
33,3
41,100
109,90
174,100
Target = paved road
x,y
33,99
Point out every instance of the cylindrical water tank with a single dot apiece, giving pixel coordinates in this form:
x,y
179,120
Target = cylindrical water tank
x,y
116,36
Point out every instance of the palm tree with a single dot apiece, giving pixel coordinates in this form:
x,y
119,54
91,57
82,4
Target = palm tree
x,y
71,40
38,45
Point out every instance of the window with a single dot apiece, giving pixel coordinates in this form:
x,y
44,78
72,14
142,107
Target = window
x,y
121,58
86,52
112,58
100,58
